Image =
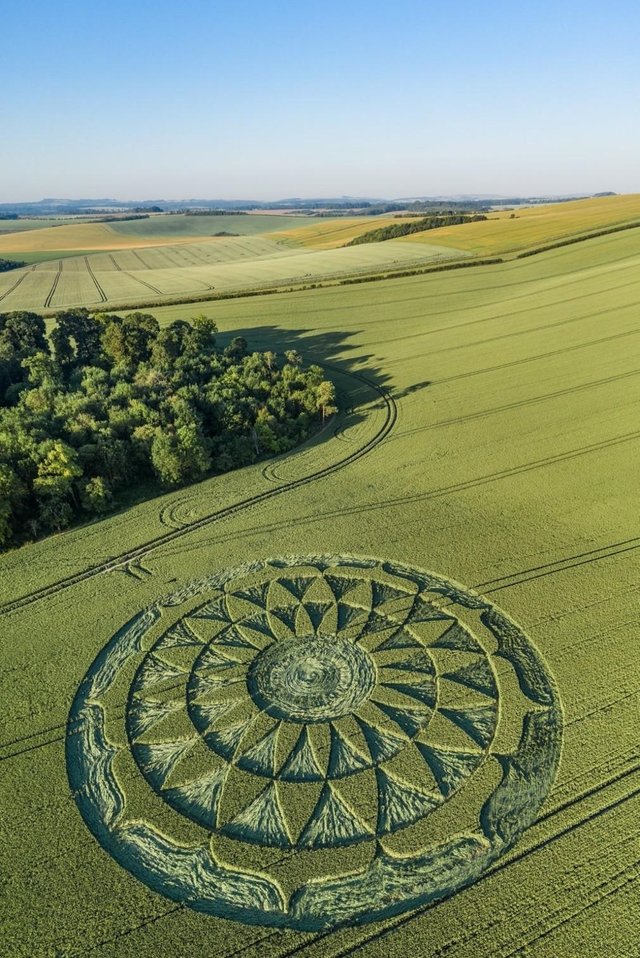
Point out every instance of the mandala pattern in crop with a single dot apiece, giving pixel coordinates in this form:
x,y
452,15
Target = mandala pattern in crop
x,y
314,741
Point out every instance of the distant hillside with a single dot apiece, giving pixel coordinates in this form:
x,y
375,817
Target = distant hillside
x,y
51,206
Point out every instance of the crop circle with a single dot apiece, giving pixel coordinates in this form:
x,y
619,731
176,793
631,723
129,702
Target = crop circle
x,y
311,679
340,711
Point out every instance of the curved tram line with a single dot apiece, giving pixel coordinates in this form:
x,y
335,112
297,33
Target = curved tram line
x,y
135,555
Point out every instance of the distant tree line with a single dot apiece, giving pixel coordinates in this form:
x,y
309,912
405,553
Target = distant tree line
x,y
365,206
417,226
120,218
107,403
7,264
215,213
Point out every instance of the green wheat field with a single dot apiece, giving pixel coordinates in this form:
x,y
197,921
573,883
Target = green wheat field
x,y
459,548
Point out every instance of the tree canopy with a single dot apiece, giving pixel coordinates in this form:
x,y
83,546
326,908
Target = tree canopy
x,y
417,226
7,264
109,403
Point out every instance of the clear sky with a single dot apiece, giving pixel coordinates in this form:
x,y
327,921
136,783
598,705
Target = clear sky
x,y
269,98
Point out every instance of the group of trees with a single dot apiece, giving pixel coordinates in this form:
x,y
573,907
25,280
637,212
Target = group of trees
x,y
107,403
7,264
417,226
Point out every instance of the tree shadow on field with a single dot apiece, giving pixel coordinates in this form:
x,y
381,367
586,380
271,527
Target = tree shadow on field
x,y
408,390
354,372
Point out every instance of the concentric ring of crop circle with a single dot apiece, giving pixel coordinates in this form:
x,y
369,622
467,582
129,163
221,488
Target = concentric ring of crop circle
x,y
311,679
393,882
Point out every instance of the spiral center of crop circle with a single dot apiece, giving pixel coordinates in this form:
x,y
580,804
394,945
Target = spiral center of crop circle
x,y
311,679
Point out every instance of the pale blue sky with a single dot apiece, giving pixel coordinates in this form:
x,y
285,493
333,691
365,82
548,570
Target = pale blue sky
x,y
212,98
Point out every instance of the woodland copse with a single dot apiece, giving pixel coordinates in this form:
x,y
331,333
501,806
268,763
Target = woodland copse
x,y
108,403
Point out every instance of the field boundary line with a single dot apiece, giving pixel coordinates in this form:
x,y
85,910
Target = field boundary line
x,y
572,240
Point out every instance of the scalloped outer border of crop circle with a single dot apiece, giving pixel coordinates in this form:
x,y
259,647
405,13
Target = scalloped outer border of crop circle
x,y
397,884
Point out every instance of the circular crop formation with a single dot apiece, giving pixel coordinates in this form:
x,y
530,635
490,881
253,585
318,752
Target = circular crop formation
x,y
313,741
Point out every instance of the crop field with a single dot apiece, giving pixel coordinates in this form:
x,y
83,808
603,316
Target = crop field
x,y
176,256
157,230
334,233
145,274
379,696
19,226
178,225
535,225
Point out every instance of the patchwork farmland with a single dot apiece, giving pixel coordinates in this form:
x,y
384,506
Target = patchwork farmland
x,y
465,530
169,257
154,273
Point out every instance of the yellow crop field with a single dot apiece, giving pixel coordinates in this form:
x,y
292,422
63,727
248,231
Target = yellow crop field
x,y
333,233
79,236
534,225
153,274
166,229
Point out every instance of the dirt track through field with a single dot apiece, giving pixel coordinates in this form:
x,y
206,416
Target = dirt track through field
x,y
17,283
54,285
119,269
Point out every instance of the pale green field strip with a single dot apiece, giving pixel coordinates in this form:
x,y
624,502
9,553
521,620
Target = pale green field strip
x,y
179,225
512,468
47,256
21,225
155,231
538,225
226,264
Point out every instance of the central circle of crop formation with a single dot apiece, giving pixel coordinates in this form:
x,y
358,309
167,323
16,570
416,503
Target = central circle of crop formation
x,y
313,741
312,679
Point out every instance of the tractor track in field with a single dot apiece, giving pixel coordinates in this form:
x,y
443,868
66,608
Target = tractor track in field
x,y
398,922
613,885
520,404
54,286
544,327
500,866
445,491
101,292
119,269
133,555
559,565
17,282
134,252
532,359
